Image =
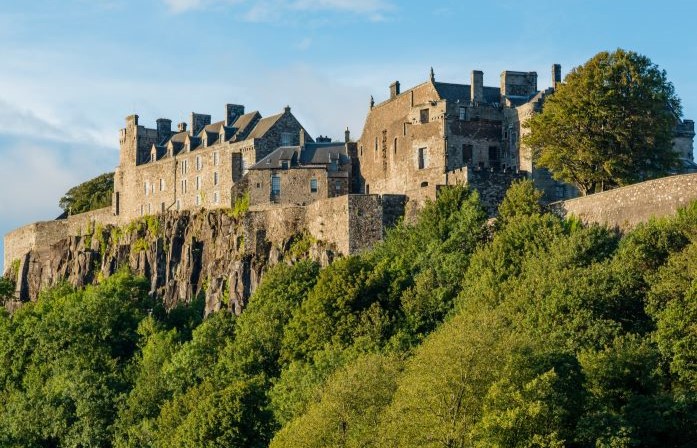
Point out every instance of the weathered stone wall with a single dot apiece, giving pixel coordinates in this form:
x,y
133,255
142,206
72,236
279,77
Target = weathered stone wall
x,y
45,233
628,206
295,185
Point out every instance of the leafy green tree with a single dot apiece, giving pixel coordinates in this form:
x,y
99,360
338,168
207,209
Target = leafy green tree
x,y
609,124
347,413
7,289
91,195
521,199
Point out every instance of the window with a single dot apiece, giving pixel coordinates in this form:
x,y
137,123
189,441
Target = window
x,y
462,113
275,185
424,184
559,191
162,185
286,139
361,150
244,167
493,153
313,185
337,186
198,182
152,188
216,158
215,178
424,116
394,146
258,184
184,166
199,163
178,204
466,154
142,210
184,186
162,207
284,164
367,189
216,197
145,186
149,209
422,158
198,199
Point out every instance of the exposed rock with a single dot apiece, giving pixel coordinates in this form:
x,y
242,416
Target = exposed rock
x,y
183,254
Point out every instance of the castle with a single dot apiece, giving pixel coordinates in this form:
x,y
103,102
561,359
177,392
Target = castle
x,y
413,143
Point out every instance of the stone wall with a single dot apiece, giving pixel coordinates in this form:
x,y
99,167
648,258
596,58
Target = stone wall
x,y
45,233
626,207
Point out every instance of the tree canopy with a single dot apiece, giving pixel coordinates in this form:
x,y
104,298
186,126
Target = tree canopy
x,y
91,195
536,332
610,123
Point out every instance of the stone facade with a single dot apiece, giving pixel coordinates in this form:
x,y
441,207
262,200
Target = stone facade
x,y
160,170
625,207
301,175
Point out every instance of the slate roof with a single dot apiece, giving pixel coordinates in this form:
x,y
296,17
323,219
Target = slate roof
x,y
461,92
263,126
312,154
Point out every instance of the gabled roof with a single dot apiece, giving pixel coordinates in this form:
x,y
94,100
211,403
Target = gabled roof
x,y
263,126
312,154
243,124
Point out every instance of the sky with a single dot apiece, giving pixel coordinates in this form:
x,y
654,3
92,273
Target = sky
x,y
72,70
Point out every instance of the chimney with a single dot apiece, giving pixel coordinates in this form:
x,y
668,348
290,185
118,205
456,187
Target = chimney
x,y
347,135
286,109
556,75
181,127
301,140
477,86
132,120
164,128
232,113
394,89
198,122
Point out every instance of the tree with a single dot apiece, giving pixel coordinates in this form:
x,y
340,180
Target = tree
x,y
609,124
90,195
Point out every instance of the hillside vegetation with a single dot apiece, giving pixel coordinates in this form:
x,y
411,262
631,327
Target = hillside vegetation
x,y
534,332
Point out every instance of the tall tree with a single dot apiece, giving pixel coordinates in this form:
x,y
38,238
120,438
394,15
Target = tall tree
x,y
90,195
609,124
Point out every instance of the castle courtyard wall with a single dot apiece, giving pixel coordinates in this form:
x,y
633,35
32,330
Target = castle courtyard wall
x,y
625,207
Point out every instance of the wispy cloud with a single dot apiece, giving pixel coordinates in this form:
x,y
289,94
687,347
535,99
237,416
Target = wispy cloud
x,y
267,10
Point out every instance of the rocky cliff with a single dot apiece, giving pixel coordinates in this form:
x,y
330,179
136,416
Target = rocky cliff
x,y
214,254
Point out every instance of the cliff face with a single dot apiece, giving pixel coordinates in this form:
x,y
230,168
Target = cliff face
x,y
183,254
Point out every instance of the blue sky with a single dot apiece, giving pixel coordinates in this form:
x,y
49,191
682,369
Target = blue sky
x,y
71,70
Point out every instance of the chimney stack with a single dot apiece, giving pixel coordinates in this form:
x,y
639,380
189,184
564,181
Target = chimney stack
x,y
347,135
232,113
301,141
164,128
477,86
556,75
394,89
181,127
198,122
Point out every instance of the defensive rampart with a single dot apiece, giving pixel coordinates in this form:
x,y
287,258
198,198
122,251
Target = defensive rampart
x,y
626,207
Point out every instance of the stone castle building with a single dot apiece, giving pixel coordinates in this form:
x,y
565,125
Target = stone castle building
x,y
346,193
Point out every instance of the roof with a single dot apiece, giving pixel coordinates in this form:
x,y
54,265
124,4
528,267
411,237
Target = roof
x,y
214,128
312,154
461,92
243,122
263,126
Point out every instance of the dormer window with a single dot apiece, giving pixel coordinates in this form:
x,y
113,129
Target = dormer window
x,y
284,164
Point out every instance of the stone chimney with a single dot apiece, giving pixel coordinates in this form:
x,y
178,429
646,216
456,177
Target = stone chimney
x,y
181,127
286,109
477,86
394,89
198,122
232,113
556,75
164,128
301,140
347,135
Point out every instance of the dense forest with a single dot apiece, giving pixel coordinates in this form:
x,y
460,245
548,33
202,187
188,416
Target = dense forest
x,y
530,331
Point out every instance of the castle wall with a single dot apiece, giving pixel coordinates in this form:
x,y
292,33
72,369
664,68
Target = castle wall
x,y
43,234
295,185
628,206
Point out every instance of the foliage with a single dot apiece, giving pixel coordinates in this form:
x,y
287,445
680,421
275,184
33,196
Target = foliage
x,y
609,124
536,332
91,195
240,207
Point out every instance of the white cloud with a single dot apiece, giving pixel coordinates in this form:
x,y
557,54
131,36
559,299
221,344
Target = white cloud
x,y
266,10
